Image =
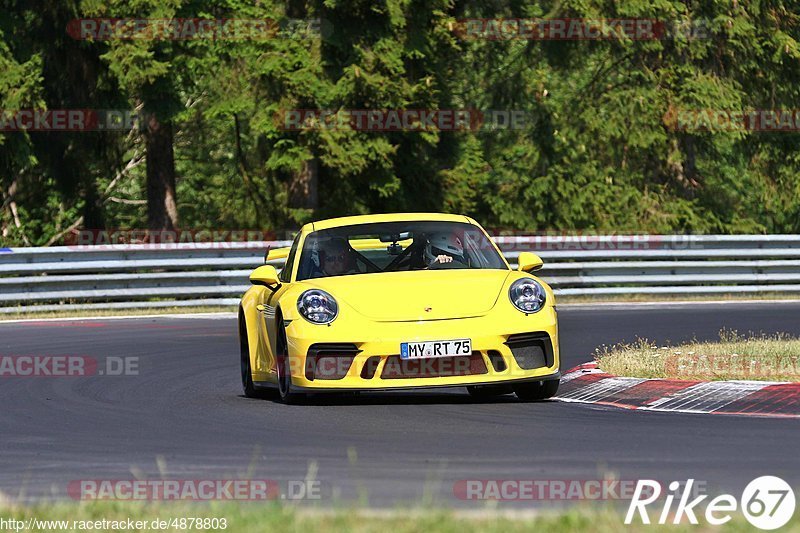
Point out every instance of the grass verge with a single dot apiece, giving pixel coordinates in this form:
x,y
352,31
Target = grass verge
x,y
733,357
23,315
259,518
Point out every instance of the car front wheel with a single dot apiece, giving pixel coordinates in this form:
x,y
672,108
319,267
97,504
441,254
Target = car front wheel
x,y
248,387
536,390
287,395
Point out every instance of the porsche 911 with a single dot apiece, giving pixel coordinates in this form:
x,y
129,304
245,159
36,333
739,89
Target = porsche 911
x,y
398,302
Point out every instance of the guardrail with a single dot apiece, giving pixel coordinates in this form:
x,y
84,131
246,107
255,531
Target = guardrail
x,y
212,274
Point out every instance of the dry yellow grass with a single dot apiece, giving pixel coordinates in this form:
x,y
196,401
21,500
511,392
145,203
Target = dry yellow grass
x,y
733,357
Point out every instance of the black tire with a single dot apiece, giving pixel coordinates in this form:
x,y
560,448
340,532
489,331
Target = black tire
x,y
536,390
285,392
484,392
248,387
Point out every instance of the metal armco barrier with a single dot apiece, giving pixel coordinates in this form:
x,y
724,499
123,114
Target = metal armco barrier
x,y
211,274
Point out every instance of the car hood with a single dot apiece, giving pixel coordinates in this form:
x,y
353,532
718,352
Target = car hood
x,y
417,295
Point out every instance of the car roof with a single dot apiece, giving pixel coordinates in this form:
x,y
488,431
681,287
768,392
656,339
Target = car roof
x,y
388,217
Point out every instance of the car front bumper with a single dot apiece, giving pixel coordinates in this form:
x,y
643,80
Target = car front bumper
x,y
508,347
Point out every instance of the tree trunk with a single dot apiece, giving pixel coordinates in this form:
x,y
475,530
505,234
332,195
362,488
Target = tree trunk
x,y
162,209
303,189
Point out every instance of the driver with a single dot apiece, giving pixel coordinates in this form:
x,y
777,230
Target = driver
x,y
443,247
335,257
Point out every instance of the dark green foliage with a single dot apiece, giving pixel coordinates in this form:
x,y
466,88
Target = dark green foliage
x,y
599,151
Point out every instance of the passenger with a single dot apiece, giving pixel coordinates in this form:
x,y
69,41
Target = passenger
x,y
336,258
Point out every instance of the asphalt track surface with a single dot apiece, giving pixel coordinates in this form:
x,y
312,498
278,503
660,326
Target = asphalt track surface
x,y
183,417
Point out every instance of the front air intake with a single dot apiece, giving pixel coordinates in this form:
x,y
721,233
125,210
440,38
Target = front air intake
x,y
330,360
496,358
370,367
531,350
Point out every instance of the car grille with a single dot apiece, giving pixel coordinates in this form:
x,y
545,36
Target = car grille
x,y
397,368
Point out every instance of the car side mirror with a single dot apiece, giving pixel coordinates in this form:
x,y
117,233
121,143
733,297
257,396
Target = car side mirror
x,y
529,262
265,275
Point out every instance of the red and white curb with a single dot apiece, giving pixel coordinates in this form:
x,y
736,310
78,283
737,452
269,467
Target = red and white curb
x,y
588,384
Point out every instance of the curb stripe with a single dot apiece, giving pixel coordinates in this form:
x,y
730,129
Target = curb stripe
x,y
706,397
579,382
601,389
775,400
580,371
588,384
648,391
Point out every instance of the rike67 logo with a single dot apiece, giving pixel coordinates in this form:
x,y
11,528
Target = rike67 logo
x,y
767,502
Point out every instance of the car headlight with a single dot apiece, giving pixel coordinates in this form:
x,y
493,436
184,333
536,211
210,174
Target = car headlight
x,y
527,295
317,306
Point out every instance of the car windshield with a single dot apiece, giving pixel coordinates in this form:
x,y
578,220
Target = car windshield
x,y
396,247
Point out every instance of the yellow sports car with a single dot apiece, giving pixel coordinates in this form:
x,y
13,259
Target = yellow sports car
x,y
399,301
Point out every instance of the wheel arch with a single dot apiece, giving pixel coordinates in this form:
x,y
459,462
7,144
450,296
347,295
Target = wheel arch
x,y
248,324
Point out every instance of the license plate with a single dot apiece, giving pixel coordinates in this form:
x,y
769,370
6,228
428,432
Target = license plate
x,y
428,349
